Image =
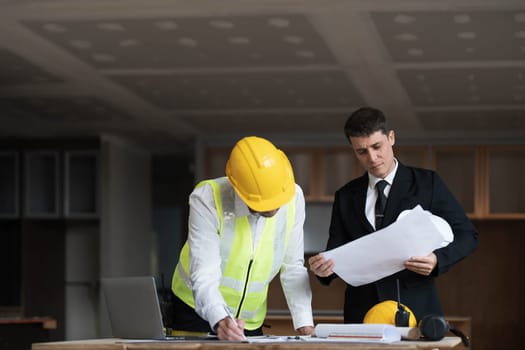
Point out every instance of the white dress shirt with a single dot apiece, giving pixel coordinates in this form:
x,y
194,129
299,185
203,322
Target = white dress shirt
x,y
371,193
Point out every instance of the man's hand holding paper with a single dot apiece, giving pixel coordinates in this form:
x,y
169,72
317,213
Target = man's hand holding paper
x,y
321,266
416,233
422,264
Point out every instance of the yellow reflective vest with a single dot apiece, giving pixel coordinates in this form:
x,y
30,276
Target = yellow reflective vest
x,y
246,274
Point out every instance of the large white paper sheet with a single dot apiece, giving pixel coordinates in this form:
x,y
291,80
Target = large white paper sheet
x,y
415,233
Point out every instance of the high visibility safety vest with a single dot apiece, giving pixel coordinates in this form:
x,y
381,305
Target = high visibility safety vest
x,y
246,274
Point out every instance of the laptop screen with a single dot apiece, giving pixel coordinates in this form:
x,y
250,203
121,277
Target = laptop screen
x,y
133,307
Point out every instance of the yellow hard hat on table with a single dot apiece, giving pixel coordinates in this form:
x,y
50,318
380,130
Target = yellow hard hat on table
x,y
385,313
261,174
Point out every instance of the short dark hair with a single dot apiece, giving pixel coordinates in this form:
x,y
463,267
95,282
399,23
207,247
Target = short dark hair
x,y
364,122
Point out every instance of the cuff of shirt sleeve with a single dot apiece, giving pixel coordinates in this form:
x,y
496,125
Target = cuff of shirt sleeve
x,y
302,320
216,314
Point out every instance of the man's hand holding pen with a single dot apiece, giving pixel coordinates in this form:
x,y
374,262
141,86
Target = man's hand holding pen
x,y
230,329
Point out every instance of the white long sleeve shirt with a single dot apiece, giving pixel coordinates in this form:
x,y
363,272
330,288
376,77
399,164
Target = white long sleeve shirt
x,y
205,260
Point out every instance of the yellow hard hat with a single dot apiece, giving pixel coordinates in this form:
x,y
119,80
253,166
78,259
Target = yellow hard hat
x,y
261,174
385,313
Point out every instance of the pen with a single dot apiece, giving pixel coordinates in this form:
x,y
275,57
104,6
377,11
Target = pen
x,y
230,315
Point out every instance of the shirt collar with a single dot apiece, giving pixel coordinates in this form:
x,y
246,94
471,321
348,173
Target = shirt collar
x,y
372,180
241,209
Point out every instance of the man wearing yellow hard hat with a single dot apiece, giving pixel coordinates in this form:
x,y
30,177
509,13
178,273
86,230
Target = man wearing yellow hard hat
x,y
244,229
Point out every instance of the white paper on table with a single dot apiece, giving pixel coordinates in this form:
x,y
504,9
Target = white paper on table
x,y
416,232
358,332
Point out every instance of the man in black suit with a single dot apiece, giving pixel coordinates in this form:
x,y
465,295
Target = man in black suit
x,y
353,216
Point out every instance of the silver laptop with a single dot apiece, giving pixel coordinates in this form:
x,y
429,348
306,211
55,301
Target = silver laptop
x,y
133,307
134,310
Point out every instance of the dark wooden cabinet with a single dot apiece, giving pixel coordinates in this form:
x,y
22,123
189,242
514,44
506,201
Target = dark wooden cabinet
x,y
41,185
50,184
505,196
44,184
483,178
460,169
81,179
9,185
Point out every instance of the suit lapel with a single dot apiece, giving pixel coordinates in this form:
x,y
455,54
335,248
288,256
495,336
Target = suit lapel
x,y
359,201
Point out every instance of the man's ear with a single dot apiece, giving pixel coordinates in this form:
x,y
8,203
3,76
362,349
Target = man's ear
x,y
392,137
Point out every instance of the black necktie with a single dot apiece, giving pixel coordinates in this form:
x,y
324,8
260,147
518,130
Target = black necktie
x,y
380,203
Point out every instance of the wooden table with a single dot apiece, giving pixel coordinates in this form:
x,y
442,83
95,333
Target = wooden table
x,y
282,324
120,344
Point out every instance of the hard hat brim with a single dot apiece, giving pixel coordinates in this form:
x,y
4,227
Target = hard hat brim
x,y
269,204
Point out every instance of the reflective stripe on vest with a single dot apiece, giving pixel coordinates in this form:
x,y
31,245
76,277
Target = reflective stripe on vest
x,y
245,274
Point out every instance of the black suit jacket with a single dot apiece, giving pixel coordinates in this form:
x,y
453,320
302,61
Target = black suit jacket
x,y
411,186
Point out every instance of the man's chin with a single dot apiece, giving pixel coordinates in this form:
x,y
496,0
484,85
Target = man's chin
x,y
377,172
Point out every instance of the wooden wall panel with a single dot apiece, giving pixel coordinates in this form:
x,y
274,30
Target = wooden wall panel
x,y
325,299
489,286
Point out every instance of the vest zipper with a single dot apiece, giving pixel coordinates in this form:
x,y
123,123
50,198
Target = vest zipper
x,y
244,289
